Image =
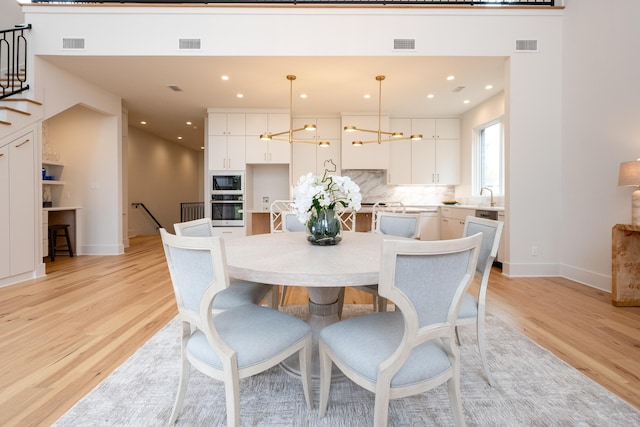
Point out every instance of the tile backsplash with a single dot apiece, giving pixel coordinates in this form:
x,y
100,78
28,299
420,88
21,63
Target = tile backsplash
x,y
374,188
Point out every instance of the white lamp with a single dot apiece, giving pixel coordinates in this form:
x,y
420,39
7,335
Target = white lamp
x,y
630,175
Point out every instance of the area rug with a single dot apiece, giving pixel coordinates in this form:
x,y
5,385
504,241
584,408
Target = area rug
x,y
532,388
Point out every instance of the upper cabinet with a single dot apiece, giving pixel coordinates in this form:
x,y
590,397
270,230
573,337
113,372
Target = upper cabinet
x,y
434,160
311,157
273,151
367,156
226,141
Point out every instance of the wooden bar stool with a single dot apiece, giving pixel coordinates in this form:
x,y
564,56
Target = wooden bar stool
x,y
54,233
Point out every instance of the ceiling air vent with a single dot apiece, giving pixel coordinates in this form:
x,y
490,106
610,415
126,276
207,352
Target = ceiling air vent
x,y
175,88
458,89
526,45
404,44
189,44
72,43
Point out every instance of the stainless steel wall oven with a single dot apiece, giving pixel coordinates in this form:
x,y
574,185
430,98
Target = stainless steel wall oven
x,y
227,198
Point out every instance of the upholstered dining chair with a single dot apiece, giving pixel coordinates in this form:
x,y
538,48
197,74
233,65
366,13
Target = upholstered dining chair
x,y
241,291
385,206
237,343
473,309
395,224
405,352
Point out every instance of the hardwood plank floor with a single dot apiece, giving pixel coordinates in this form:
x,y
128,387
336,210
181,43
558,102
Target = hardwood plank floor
x,y
62,334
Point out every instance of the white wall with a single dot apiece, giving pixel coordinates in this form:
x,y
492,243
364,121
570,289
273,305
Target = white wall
x,y
10,14
601,129
162,174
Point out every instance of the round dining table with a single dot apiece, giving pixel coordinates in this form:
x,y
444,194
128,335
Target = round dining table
x,y
287,258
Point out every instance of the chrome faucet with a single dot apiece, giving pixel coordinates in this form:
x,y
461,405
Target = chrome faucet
x,y
490,192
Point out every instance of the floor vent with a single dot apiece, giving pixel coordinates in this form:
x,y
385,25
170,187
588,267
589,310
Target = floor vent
x,y
526,45
72,43
189,44
404,44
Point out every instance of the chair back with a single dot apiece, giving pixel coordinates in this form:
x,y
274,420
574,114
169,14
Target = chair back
x,y
198,271
196,228
491,231
427,280
347,218
378,207
398,224
282,218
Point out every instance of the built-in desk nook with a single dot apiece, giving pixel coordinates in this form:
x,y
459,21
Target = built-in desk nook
x,y
62,215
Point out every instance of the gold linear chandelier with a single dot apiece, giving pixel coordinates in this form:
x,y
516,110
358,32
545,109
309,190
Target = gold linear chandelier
x,y
279,136
390,136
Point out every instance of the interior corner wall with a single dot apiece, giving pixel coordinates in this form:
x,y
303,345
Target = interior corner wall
x,y
601,129
10,14
162,175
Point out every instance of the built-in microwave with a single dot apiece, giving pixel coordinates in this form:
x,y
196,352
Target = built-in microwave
x,y
227,182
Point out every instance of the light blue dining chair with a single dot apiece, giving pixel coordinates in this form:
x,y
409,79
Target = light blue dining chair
x,y
241,291
406,352
473,309
239,342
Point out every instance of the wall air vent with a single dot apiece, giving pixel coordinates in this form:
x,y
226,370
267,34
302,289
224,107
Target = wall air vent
x,y
526,45
404,44
189,44
68,43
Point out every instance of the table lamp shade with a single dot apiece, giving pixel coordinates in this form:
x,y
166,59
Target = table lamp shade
x,y
630,175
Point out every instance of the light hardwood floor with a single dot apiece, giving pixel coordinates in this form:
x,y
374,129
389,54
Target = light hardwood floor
x,y
62,334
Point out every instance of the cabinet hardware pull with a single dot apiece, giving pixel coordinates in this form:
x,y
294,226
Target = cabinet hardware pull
x,y
22,143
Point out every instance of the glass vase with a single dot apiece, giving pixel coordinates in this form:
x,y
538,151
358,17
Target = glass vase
x,y
323,228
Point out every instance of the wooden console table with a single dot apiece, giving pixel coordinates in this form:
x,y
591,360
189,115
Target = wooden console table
x,y
625,254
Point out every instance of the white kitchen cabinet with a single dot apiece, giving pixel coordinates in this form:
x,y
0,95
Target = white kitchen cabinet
x,y
429,226
433,160
17,206
367,156
274,151
452,221
311,157
501,248
226,141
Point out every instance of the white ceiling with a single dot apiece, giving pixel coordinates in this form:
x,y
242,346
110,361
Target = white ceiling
x,y
333,85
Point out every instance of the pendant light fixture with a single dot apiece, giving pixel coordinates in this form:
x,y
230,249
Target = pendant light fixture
x,y
279,136
388,136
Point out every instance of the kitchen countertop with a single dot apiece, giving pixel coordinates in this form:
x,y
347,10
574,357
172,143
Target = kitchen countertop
x,y
477,207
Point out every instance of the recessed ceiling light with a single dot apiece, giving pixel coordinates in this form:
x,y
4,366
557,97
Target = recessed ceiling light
x,y
466,101
189,123
179,137
487,87
367,96
240,95
143,122
303,95
430,96
450,78
202,148
225,78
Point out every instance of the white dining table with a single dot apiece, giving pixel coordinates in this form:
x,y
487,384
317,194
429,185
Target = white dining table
x,y
289,259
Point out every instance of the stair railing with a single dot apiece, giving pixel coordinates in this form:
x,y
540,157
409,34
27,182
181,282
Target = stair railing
x,y
136,204
13,60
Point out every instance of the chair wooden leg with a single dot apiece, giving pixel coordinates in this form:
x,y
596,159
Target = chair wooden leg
x,y
455,399
283,294
182,390
305,370
232,393
381,409
482,347
382,304
325,379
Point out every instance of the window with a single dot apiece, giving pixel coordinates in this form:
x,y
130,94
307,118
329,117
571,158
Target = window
x,y
490,158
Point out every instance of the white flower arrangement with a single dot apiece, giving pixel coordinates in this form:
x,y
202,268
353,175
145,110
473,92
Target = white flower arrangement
x,y
313,192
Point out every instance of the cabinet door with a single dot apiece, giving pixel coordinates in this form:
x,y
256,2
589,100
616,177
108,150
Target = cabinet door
x,y
501,248
217,124
400,154
236,124
304,135
448,162
425,127
328,129
22,205
304,161
367,156
279,152
256,123
256,149
448,128
332,152
236,152
217,152
423,162
5,245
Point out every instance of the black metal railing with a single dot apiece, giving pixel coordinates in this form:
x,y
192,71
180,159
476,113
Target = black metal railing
x,y
333,2
191,210
136,204
13,61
